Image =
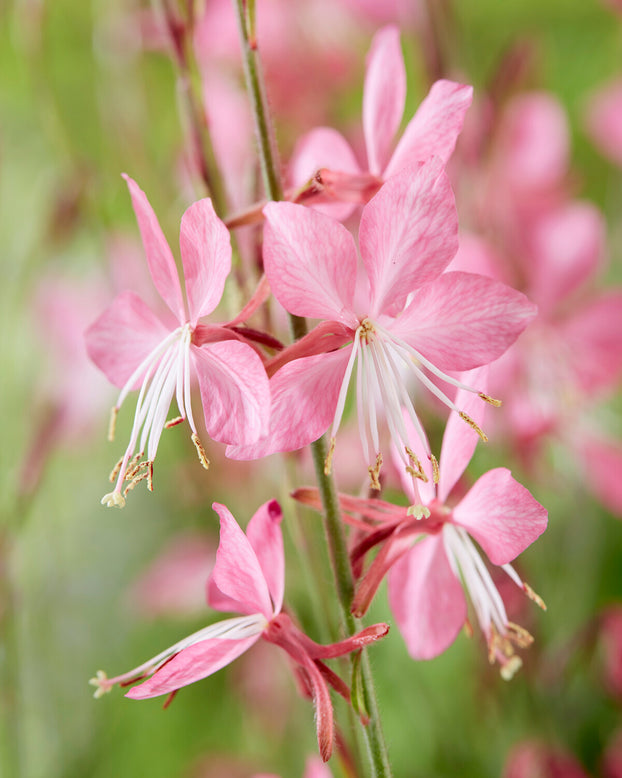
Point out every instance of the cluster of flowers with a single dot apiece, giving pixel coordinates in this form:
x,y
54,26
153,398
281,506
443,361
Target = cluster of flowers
x,y
400,308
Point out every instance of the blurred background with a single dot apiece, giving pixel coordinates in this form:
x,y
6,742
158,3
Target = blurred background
x,y
89,90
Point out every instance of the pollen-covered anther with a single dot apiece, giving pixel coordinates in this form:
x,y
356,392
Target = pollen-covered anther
x,y
519,635
174,422
113,500
534,596
468,629
415,468
418,512
328,462
465,417
200,450
490,400
112,423
115,471
102,684
135,481
435,468
374,473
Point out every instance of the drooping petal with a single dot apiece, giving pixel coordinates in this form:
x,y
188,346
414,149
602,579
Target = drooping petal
x,y
459,439
310,260
125,333
206,255
408,234
234,391
237,582
384,95
426,599
192,664
304,398
265,536
159,257
434,128
461,320
501,515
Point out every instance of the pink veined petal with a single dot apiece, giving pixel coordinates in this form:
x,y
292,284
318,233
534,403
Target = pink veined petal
x,y
461,320
384,95
408,234
304,398
567,246
594,337
501,515
459,439
265,536
434,128
426,599
602,460
192,664
234,391
159,257
206,256
310,260
237,573
125,333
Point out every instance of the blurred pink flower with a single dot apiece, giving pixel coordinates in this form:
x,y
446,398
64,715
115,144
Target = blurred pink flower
x,y
532,759
603,120
610,638
248,578
137,349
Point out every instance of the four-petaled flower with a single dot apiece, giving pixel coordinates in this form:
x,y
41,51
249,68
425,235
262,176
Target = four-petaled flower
x,y
248,578
136,349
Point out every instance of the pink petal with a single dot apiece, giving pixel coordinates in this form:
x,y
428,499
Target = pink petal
x,y
265,536
384,95
237,580
426,599
604,120
434,128
159,257
304,398
315,768
567,246
408,233
602,460
461,320
192,664
459,439
206,255
310,260
124,335
501,515
234,391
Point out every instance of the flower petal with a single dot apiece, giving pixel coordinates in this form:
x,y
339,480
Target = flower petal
x,y
461,320
192,664
237,581
310,260
159,257
265,536
426,599
206,255
408,234
384,95
234,391
602,460
434,128
304,398
125,333
501,515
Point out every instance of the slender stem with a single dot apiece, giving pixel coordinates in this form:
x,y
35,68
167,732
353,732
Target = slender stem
x,y
338,551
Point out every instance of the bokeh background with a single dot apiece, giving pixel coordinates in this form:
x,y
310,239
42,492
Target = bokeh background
x,y
87,91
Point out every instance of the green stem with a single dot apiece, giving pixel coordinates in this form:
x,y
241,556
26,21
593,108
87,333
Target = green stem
x,y
333,525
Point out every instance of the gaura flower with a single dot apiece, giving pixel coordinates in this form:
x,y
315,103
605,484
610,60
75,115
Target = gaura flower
x,y
394,317
136,349
429,553
248,578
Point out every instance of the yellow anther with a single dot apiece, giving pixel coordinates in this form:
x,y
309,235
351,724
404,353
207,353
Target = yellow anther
x,y
115,471
435,469
328,462
519,635
534,596
415,468
374,473
112,423
135,481
468,629
150,476
174,422
200,451
490,400
473,425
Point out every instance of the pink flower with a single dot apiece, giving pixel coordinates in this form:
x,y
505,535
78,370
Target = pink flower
x,y
248,578
397,317
138,350
432,131
531,759
603,118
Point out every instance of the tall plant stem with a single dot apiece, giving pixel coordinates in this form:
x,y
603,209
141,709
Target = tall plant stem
x,y
338,551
